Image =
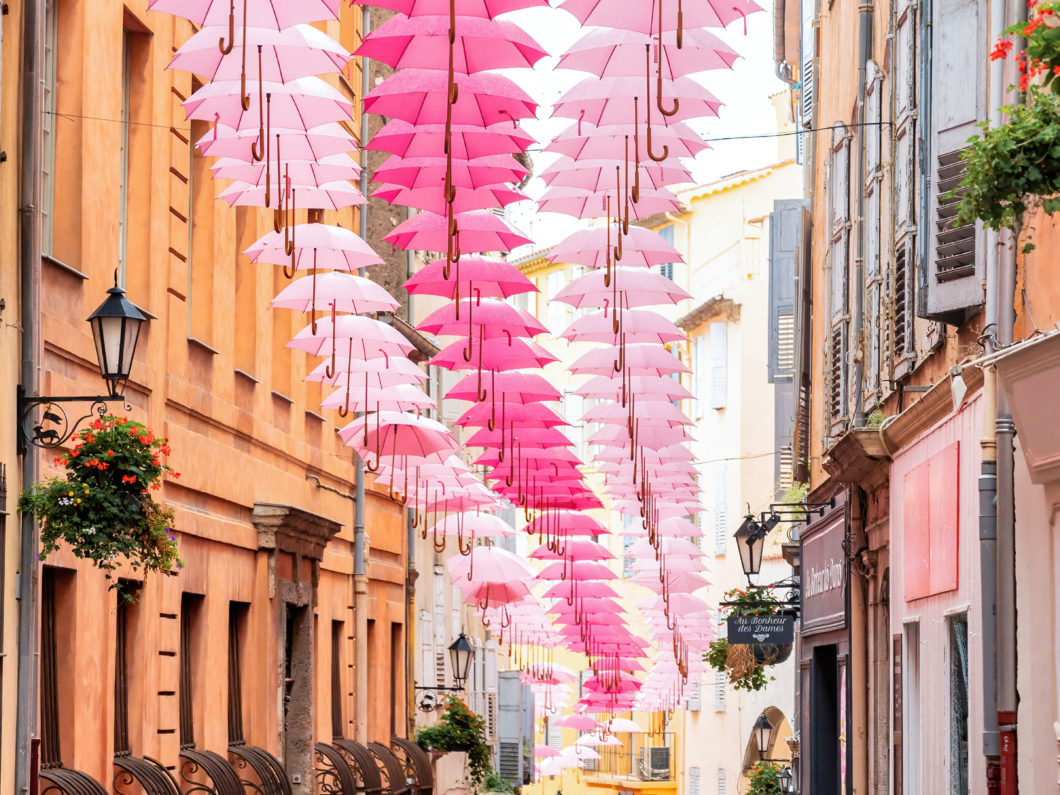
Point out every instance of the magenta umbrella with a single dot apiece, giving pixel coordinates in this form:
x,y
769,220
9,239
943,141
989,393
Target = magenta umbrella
x,y
319,142
639,325
463,8
637,287
566,523
420,96
519,416
478,231
423,172
286,55
586,140
423,41
275,14
526,387
606,52
432,199
605,174
641,247
644,16
484,277
301,104
543,438
639,359
608,100
319,246
485,318
428,140
496,354
583,203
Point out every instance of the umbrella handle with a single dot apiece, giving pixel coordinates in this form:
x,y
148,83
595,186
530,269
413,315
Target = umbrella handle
x,y
288,239
257,149
221,45
506,618
506,112
635,193
618,213
625,194
469,348
580,117
672,111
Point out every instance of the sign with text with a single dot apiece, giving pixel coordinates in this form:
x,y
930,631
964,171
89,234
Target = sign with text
x,y
824,574
769,630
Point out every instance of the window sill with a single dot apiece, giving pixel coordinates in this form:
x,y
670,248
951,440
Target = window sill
x,y
64,267
200,344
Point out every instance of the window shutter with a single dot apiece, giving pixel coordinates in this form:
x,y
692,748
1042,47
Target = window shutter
x,y
803,350
723,787
784,431
900,323
695,695
720,685
951,284
871,220
693,781
554,734
427,649
721,519
718,364
667,234
839,287
807,56
700,372
785,224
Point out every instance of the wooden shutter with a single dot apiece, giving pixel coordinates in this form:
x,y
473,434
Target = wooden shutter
x,y
951,281
839,287
873,190
899,323
721,519
695,699
720,685
785,224
693,781
718,364
804,351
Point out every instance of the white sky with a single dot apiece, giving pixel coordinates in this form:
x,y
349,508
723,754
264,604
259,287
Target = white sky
x,y
744,92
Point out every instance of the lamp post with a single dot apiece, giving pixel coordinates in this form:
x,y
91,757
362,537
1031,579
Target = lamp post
x,y
750,541
763,732
461,655
784,778
116,326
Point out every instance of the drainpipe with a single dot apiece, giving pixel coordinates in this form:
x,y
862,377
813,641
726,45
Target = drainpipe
x,y
30,266
360,577
865,10
780,64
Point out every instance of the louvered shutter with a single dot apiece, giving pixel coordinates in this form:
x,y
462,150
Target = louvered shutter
x,y
695,694
804,351
427,649
719,355
785,231
723,786
807,58
838,274
490,686
693,781
871,219
952,282
721,501
720,685
667,234
553,734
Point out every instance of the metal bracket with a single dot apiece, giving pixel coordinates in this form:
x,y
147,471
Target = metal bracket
x,y
54,428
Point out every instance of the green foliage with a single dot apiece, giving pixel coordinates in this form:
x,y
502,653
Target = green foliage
x,y
748,677
460,729
738,661
764,779
103,507
755,600
1014,167
495,783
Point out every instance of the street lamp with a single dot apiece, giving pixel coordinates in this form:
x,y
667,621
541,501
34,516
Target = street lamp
x,y
750,540
116,326
460,654
784,778
763,732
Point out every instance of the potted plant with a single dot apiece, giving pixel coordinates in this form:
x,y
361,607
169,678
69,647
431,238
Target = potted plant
x,y
764,779
460,729
745,663
102,508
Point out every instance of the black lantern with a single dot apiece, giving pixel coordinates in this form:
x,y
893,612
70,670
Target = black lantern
x,y
784,778
116,329
750,540
763,732
460,654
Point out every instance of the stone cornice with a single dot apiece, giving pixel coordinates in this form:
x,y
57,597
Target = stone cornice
x,y
288,529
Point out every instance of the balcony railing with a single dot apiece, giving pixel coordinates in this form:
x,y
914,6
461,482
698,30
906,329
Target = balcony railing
x,y
641,757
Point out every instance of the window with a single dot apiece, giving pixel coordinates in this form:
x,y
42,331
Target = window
x,y
190,638
723,787
721,518
237,621
718,364
124,629
553,734
48,90
667,234
905,153
785,240
135,188
720,685
337,633
871,220
55,681
838,274
911,711
958,626
201,243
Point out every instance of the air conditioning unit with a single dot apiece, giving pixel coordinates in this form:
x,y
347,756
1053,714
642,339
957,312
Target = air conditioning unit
x,y
653,764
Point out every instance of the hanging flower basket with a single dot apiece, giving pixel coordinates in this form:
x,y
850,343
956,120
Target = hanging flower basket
x,y
745,664
771,653
103,509
460,729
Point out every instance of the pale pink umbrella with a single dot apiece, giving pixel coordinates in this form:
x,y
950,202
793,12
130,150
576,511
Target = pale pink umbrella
x,y
639,326
397,434
485,277
395,370
644,16
276,14
565,523
463,8
286,55
432,199
319,246
466,141
343,291
605,175
577,721
621,141
606,52
375,391
528,387
674,582
328,196
594,740
576,570
420,96
479,231
636,359
519,415
636,286
472,525
370,337
485,318
641,247
608,100
568,590
656,413
423,172
319,142
576,549
423,42
545,751
301,104
584,203
623,726
645,387
667,546
308,172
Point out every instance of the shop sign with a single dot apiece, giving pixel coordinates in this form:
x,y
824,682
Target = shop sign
x,y
824,575
776,630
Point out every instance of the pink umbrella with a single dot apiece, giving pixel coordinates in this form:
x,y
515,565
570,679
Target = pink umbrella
x,y
463,8
496,354
343,291
479,231
565,523
492,594
604,174
521,416
644,17
430,172
301,104
329,196
473,525
637,287
319,246
398,370
311,172
420,96
467,141
639,326
432,199
486,318
655,413
576,721
610,141
583,203
576,549
567,590
275,14
641,247
545,751
577,570
489,564
605,52
608,100
528,437
319,142
286,55
393,397
369,336
638,359
398,434
645,387
528,387
674,582
481,276
423,42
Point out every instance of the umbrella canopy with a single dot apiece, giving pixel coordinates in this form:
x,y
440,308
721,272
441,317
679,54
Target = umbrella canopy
x,y
318,246
275,14
370,337
608,100
468,141
636,286
430,172
463,8
322,141
606,52
479,231
483,277
432,200
420,96
586,203
617,141
486,318
640,247
639,325
344,292
644,17
301,104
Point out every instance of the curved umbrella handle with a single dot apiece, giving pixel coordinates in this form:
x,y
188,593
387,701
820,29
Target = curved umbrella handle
x,y
221,45
258,149
506,112
607,251
469,349
288,240
672,111
651,153
620,360
635,192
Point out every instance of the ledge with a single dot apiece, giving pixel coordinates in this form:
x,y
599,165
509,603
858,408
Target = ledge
x,y
200,344
64,267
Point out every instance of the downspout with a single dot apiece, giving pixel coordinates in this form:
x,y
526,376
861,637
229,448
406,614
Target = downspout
x,y
360,578
780,64
865,11
30,266
988,468
1007,697
411,573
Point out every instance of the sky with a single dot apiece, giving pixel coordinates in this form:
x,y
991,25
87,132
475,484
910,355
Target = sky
x,y
744,92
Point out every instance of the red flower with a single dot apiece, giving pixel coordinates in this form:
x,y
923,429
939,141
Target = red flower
x,y
128,478
1001,50
110,452
1024,81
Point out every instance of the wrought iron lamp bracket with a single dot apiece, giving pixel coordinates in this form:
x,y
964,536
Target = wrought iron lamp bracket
x,y
54,428
432,699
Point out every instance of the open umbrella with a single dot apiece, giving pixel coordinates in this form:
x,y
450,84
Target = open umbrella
x,y
399,137
420,96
